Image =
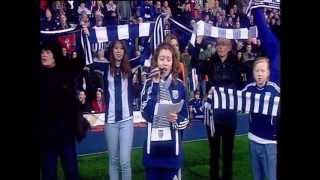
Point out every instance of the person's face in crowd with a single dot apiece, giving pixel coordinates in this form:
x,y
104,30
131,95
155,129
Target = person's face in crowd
x,y
100,53
82,5
165,61
47,59
219,19
82,96
261,73
223,47
230,21
217,4
135,78
174,43
74,55
273,21
231,11
64,51
165,3
268,20
118,52
193,23
187,7
99,95
211,11
249,48
206,18
197,95
100,3
99,23
239,55
278,22
258,42
235,8
223,13
63,19
48,14
140,20
237,25
206,6
158,4
271,15
251,18
138,53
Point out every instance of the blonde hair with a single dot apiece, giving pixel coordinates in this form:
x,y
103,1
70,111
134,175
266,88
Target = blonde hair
x,y
261,60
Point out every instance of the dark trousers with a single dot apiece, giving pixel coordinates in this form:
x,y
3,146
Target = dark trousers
x,y
224,134
68,157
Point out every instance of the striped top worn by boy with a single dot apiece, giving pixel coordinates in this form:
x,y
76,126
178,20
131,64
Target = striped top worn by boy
x,y
262,128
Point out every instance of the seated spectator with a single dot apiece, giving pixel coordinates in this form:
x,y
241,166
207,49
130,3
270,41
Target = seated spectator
x,y
186,15
230,22
99,21
248,55
196,13
235,9
111,13
205,10
157,8
147,11
237,25
84,20
84,105
216,7
195,107
232,14
83,9
219,22
207,19
98,7
251,20
48,24
239,56
166,9
98,104
100,57
63,22
65,53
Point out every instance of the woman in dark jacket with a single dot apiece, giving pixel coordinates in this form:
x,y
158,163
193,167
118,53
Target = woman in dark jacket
x,y
58,112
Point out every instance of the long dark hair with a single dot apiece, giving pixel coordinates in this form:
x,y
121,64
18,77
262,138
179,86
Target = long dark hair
x,y
125,68
54,47
175,64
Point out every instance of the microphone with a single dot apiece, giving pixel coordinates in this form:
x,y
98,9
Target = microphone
x,y
155,72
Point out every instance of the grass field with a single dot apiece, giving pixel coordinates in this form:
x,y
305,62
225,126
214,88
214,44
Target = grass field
x,y
196,159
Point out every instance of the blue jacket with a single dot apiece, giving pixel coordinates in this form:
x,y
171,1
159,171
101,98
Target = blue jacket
x,y
164,153
269,43
263,128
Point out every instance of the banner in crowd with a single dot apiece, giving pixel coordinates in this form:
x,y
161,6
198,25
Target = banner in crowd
x,y
119,32
206,29
246,102
273,4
